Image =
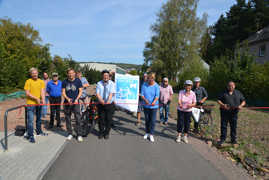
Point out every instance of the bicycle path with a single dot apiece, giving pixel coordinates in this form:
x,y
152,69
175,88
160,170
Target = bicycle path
x,y
126,155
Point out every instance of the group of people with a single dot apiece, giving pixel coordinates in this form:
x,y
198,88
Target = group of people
x,y
152,97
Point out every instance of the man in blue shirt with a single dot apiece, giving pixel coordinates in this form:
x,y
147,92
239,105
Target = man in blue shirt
x,y
104,92
72,90
54,90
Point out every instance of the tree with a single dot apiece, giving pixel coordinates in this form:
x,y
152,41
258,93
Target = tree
x,y
176,38
20,49
241,21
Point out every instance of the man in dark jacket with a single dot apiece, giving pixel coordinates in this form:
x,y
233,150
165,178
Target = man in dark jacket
x,y
201,97
230,101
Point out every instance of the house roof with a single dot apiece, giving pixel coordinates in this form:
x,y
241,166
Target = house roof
x,y
259,36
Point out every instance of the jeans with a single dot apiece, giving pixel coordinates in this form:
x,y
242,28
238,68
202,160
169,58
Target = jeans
x,y
55,110
164,112
45,108
150,119
231,118
105,113
30,120
183,121
68,110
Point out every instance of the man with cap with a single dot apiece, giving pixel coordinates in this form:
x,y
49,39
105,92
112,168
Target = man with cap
x,y
201,97
166,93
54,90
230,101
104,92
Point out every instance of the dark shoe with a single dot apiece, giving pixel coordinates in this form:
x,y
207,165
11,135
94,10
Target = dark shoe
x,y
27,137
50,126
59,126
196,131
220,143
113,125
106,137
234,142
101,136
42,134
32,139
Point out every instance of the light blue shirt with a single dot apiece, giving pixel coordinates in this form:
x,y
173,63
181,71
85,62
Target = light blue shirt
x,y
150,93
114,94
84,91
110,88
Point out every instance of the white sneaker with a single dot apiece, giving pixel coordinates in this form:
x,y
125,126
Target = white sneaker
x,y
151,138
178,140
185,139
146,136
69,137
80,139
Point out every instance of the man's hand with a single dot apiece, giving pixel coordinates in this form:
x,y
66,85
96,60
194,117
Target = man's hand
x,y
225,107
153,104
102,102
38,100
76,101
240,107
180,105
69,100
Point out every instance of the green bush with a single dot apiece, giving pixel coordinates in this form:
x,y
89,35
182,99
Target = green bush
x,y
251,78
92,75
191,70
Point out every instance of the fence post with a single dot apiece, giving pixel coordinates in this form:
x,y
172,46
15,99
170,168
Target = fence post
x,y
5,126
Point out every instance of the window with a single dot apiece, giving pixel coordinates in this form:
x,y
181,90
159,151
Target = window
x,y
262,50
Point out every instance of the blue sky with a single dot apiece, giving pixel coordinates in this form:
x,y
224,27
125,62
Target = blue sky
x,y
97,30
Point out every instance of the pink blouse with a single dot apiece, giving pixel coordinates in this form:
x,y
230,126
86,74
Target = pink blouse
x,y
186,100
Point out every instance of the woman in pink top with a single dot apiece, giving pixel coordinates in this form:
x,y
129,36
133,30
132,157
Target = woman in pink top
x,y
186,100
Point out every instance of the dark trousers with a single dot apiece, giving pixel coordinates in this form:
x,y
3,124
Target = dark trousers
x,y
150,119
55,110
68,110
105,113
231,118
183,121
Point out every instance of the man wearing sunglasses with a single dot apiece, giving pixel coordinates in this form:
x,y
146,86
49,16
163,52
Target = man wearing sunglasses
x,y
54,89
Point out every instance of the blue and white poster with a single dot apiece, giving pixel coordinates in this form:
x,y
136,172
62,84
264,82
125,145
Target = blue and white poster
x,y
127,91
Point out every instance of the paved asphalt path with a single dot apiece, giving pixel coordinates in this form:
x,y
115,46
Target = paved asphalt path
x,y
127,156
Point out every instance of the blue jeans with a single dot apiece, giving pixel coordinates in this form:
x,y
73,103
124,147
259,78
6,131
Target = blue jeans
x,y
150,119
30,120
164,112
45,108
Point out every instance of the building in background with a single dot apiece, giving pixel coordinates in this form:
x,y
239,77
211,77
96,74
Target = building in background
x,y
98,66
258,45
